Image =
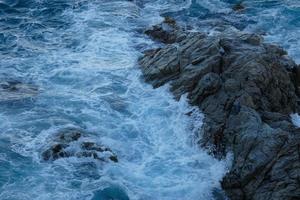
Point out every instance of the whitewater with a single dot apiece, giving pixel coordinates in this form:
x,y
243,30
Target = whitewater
x,y
82,55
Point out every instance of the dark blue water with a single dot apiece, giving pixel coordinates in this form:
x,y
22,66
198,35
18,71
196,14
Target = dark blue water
x,y
77,61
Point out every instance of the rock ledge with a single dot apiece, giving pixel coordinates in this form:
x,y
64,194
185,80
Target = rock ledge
x,y
247,90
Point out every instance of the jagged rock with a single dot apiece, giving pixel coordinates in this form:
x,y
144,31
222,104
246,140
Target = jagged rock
x,y
160,68
72,142
55,152
209,84
266,163
11,90
166,32
247,90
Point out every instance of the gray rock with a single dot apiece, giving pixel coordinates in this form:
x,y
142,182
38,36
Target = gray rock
x,y
167,32
55,152
209,84
160,68
71,142
246,89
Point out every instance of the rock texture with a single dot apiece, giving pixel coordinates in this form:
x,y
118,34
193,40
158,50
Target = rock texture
x,y
167,32
247,89
73,142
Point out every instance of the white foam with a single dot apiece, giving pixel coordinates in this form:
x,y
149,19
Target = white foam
x,y
295,119
215,6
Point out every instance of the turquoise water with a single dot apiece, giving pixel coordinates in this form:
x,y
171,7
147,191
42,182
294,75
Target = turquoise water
x,y
82,55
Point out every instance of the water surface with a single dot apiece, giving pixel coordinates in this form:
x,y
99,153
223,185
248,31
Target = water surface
x,y
83,57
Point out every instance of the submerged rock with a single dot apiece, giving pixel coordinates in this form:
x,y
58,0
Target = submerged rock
x,y
246,89
73,142
238,6
111,193
11,90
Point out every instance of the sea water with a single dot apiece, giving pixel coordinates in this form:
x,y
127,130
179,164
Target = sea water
x,y
82,55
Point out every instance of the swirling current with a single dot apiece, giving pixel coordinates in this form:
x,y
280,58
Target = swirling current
x,y
78,60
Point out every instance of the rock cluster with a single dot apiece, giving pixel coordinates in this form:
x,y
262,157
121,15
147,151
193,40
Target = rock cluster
x,y
72,142
247,90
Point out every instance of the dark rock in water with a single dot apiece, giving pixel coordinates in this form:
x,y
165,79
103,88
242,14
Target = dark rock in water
x,y
111,193
114,158
166,32
56,151
247,89
11,90
71,142
90,146
70,135
238,7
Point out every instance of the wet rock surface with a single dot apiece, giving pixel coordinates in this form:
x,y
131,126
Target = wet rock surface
x,y
12,90
247,89
113,192
167,32
72,142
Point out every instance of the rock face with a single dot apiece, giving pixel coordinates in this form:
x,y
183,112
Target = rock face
x,y
72,142
247,89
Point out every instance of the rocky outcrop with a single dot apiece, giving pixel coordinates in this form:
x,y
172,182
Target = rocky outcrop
x,y
12,90
247,89
167,32
74,142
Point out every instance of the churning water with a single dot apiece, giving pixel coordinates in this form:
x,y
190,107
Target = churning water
x,y
82,55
